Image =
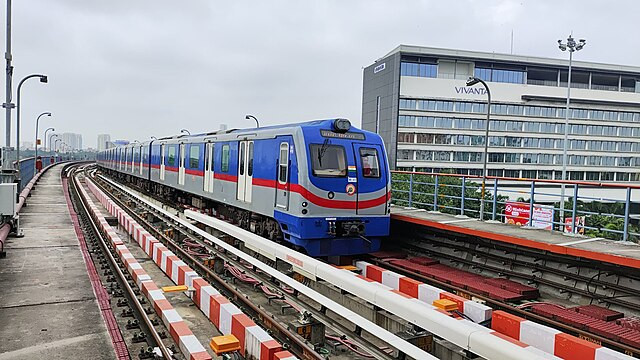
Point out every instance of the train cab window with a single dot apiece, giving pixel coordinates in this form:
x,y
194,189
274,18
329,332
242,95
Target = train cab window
x,y
194,156
225,158
171,155
328,160
283,163
369,163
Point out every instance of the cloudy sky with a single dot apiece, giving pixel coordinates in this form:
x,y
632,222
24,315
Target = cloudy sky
x,y
139,68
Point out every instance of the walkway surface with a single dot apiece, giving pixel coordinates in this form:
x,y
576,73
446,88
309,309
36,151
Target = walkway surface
x,y
599,249
47,306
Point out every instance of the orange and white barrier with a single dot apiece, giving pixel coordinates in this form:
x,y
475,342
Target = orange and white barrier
x,y
255,342
189,345
550,340
423,292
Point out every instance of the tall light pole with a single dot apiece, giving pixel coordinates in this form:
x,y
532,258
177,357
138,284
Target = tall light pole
x,y
572,46
45,137
249,117
470,82
55,145
185,131
35,158
8,82
43,79
51,140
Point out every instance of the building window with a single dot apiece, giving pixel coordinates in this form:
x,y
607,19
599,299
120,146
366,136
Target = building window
x,y
606,176
424,155
441,156
512,173
407,121
529,174
405,137
511,158
545,174
419,70
529,158
405,155
424,138
407,104
496,157
593,176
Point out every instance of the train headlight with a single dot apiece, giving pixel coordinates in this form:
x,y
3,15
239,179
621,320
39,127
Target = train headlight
x,y
341,125
304,204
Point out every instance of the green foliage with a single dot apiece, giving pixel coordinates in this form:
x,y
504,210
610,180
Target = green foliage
x,y
448,195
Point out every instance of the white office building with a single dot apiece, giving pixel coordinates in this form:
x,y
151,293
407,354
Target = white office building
x,y
104,142
417,100
73,140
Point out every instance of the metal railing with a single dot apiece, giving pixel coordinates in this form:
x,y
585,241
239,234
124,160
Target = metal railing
x,y
594,209
27,168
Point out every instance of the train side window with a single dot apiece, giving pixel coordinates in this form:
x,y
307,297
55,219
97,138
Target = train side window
x,y
283,166
250,159
171,155
194,156
369,163
225,158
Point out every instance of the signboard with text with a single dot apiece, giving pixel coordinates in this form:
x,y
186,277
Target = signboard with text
x,y
517,213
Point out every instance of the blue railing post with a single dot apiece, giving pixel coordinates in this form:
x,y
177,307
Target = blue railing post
x,y
573,210
495,199
462,196
435,194
410,190
627,206
533,191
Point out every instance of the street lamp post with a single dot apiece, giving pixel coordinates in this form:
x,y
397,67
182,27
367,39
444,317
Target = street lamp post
x,y
45,138
572,46
470,82
35,158
185,131
55,145
249,117
43,79
51,137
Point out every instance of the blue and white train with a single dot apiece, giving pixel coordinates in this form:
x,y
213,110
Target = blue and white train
x,y
323,185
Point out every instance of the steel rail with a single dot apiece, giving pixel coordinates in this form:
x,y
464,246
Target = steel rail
x,y
140,309
411,349
303,350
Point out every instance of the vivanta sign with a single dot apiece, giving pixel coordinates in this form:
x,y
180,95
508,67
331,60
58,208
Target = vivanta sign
x,y
470,90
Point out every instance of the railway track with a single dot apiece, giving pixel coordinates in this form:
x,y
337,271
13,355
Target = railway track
x,y
436,250
136,321
274,317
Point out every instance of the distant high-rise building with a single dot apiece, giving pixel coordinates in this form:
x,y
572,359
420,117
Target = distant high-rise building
x,y
73,140
103,141
223,126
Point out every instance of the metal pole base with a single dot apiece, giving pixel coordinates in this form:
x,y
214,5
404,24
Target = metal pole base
x,y
17,233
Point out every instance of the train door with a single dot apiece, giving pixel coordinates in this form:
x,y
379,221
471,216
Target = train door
x,y
126,159
181,168
162,166
119,158
370,177
208,167
142,155
282,187
245,170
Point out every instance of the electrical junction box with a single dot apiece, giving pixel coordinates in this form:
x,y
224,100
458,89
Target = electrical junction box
x,y
8,199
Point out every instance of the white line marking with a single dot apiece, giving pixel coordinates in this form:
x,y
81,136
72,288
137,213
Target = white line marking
x,y
580,241
457,221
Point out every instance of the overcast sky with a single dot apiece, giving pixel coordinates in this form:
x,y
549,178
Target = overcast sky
x,y
139,68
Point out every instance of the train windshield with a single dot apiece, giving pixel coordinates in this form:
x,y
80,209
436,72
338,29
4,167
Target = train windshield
x,y
328,160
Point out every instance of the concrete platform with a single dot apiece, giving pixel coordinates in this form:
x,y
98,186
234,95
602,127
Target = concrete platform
x,y
47,306
614,252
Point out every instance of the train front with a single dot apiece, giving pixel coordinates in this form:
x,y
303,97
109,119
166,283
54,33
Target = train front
x,y
347,189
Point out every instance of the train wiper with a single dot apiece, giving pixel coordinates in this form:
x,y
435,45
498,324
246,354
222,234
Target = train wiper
x,y
322,150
